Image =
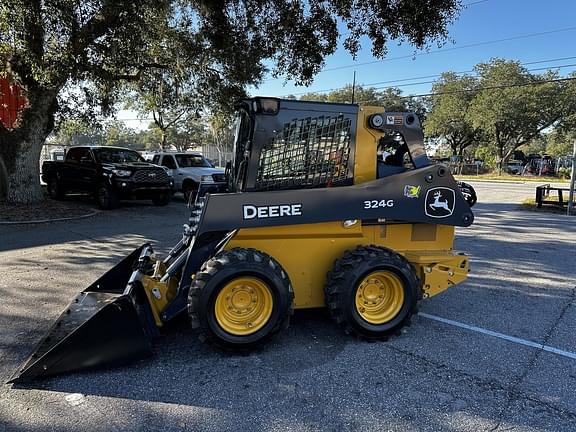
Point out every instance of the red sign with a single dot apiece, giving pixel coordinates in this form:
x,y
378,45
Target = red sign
x,y
12,100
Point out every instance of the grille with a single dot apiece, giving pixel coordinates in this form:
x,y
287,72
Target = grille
x,y
219,178
155,175
306,153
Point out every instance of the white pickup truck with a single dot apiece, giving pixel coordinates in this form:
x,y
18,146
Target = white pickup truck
x,y
189,170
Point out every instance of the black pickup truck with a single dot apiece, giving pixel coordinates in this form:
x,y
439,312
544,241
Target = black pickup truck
x,y
110,174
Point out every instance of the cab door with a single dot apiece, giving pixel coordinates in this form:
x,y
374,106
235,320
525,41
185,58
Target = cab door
x,y
169,162
86,171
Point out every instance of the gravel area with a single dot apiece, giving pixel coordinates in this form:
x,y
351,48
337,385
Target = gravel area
x,y
47,210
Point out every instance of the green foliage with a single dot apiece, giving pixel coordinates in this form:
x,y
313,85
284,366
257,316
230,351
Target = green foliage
x,y
78,55
514,106
564,172
487,154
222,44
390,99
77,132
501,110
449,116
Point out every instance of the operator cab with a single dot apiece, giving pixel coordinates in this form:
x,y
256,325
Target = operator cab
x,y
393,156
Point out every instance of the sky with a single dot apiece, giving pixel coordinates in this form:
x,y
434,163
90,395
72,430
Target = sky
x,y
539,34
535,31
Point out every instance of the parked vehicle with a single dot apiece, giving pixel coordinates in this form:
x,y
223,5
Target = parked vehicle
x,y
110,173
515,167
189,171
540,166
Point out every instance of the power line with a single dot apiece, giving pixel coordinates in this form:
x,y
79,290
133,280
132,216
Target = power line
x,y
471,45
474,3
503,86
478,89
439,75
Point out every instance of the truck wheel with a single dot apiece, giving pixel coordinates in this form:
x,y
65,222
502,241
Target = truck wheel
x,y
106,197
372,292
55,189
189,189
240,299
162,199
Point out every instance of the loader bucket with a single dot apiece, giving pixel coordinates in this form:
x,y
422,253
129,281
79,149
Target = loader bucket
x,y
107,324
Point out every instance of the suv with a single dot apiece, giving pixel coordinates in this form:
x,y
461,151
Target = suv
x,y
110,173
189,170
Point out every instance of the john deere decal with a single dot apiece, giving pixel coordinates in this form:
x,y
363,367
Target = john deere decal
x,y
439,202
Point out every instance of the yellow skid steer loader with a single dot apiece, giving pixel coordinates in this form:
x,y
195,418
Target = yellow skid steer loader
x,y
328,205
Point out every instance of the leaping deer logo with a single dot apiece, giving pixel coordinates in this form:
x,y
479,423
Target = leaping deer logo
x,y
439,204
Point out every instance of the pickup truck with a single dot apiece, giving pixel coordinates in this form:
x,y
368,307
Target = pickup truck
x,y
109,173
189,171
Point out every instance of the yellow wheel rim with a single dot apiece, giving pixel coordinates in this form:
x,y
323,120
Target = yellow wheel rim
x,y
243,306
379,297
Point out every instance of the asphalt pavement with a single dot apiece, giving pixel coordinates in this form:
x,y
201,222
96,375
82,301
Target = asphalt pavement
x,y
465,364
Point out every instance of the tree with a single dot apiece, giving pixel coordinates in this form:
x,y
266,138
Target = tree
x,y
390,99
560,143
77,132
189,134
513,106
449,117
220,126
49,46
116,133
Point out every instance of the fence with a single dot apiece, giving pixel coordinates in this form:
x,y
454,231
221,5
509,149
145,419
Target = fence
x,y
215,155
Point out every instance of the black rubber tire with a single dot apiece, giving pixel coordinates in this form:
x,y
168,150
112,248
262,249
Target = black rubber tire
x,y
162,199
213,276
107,199
189,189
55,189
343,281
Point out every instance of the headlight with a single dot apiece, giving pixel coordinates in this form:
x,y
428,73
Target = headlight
x,y
207,179
122,173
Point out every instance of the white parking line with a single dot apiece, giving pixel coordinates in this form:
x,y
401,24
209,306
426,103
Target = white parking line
x,y
519,341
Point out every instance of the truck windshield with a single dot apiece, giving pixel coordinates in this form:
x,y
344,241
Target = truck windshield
x,y
112,155
187,161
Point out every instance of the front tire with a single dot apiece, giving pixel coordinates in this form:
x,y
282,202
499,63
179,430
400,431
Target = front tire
x,y
372,292
106,197
162,199
240,299
55,189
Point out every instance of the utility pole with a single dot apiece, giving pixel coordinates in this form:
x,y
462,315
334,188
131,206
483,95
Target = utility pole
x,y
353,86
572,181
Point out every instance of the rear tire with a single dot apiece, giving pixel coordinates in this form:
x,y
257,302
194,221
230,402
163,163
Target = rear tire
x,y
55,189
240,299
372,292
162,199
106,197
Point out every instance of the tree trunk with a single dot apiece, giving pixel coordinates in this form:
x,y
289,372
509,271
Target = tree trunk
x,y
3,181
164,139
500,158
20,148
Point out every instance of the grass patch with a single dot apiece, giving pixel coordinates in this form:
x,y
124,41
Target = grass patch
x,y
530,205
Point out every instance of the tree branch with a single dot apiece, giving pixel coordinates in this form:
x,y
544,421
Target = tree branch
x,y
34,33
109,75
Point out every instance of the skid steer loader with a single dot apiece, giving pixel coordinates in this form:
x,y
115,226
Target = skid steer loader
x,y
315,216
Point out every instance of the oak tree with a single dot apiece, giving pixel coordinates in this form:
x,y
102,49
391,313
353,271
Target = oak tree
x,y
79,54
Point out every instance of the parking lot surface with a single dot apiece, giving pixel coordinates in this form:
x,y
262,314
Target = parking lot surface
x,y
465,364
